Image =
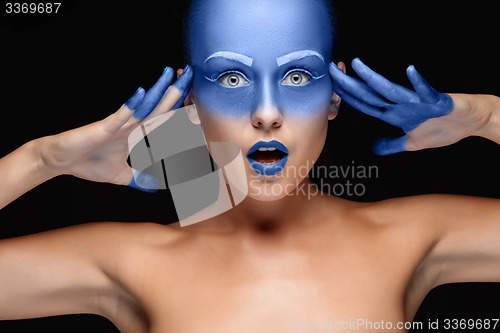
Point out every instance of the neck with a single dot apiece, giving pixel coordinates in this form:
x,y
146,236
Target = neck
x,y
276,216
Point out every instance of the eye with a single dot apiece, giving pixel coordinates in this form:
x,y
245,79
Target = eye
x,y
233,80
296,78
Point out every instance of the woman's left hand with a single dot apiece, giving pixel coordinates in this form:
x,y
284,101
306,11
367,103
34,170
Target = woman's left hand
x,y
429,118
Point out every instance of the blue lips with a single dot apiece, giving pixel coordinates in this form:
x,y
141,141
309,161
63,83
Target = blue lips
x,y
268,169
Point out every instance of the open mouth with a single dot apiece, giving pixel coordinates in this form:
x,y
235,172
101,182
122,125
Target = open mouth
x,y
268,158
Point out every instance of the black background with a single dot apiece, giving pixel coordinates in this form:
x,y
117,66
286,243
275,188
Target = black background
x,y
66,70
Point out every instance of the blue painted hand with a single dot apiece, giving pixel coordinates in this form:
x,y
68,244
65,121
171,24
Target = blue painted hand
x,y
390,102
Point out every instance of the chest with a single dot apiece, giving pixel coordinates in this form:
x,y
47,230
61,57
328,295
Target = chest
x,y
275,293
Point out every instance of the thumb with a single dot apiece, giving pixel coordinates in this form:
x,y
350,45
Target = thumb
x,y
145,182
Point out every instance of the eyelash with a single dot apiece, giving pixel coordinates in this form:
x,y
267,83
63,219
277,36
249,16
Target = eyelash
x,y
230,71
302,70
289,71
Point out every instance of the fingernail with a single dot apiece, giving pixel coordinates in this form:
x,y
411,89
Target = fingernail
x,y
184,80
412,68
187,70
135,101
167,69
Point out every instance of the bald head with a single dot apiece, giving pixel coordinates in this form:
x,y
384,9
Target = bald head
x,y
258,21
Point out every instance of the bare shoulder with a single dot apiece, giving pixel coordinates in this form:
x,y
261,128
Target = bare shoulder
x,y
103,233
423,240
85,263
425,220
103,243
135,232
121,239
425,217
126,243
422,209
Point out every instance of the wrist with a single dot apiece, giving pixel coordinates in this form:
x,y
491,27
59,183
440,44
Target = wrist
x,y
22,170
490,106
39,168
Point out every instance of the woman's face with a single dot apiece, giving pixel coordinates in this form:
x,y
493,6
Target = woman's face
x,y
261,81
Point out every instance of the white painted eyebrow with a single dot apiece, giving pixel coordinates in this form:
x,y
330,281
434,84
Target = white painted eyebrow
x,y
245,60
297,56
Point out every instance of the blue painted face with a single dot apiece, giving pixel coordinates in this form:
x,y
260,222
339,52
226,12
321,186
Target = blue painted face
x,y
253,54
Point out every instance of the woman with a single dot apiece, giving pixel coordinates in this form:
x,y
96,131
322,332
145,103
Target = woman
x,y
279,261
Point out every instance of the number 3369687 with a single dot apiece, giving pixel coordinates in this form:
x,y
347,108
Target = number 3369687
x,y
32,7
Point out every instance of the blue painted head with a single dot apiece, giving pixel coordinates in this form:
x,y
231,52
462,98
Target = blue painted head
x,y
261,80
248,54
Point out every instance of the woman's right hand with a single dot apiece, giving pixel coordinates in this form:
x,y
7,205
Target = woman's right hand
x,y
99,151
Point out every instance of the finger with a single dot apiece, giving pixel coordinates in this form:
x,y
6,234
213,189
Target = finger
x,y
144,129
155,94
359,105
152,124
386,88
136,100
180,102
176,94
183,84
115,121
427,93
355,87
389,146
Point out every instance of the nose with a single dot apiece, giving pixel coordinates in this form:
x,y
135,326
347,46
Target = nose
x,y
267,117
268,114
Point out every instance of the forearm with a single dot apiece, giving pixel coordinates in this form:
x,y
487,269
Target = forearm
x,y
485,106
21,171
492,129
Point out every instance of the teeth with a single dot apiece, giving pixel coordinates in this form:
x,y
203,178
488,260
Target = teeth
x,y
267,149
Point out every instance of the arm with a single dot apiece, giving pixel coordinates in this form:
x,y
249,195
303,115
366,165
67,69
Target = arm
x,y
84,269
466,246
56,272
478,104
76,269
429,119
96,152
21,171
464,229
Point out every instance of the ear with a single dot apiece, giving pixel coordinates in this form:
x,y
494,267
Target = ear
x,y
336,100
193,114
189,98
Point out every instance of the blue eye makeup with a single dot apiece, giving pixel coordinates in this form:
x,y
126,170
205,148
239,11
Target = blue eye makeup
x,y
229,79
296,78
233,80
278,65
